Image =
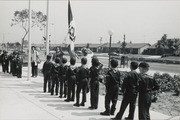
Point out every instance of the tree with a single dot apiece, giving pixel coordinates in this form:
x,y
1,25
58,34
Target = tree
x,y
161,44
169,44
18,45
173,44
21,19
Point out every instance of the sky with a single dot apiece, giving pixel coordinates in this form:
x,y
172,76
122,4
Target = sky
x,y
141,21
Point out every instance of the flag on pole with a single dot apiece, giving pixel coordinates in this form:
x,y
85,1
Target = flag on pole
x,y
71,31
71,24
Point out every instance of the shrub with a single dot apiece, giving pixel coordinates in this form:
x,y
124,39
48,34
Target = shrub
x,y
168,83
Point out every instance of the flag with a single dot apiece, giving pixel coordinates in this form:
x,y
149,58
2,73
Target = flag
x,y
71,24
71,32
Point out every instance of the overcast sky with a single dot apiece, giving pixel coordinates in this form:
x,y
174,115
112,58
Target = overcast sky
x,y
140,21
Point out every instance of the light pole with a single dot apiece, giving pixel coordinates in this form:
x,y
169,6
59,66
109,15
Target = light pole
x,y
110,32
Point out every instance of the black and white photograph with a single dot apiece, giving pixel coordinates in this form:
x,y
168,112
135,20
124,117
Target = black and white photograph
x,y
89,60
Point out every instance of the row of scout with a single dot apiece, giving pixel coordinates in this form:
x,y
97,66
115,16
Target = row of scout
x,y
68,77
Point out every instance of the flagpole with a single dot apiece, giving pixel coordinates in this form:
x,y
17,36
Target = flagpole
x,y
29,46
47,31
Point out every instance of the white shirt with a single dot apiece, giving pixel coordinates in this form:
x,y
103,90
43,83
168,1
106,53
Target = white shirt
x,y
34,56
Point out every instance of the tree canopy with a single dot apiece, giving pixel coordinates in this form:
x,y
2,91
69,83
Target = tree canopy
x,y
21,19
167,44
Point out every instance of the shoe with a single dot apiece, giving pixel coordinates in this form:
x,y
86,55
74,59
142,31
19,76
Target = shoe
x,y
112,113
67,100
76,104
91,108
56,93
105,113
71,99
82,104
60,96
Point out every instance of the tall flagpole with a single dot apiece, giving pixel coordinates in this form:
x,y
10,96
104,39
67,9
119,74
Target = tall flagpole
x,y
47,31
29,46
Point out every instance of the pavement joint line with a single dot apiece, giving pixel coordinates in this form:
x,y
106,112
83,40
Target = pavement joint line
x,y
32,101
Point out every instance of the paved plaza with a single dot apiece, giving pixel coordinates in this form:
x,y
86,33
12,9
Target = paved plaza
x,y
24,100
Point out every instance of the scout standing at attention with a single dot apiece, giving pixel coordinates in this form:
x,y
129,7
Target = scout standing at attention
x,y
63,80
130,90
47,67
55,76
71,80
147,85
112,88
82,82
94,82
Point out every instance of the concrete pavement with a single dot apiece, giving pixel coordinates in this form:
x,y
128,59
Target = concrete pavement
x,y
24,100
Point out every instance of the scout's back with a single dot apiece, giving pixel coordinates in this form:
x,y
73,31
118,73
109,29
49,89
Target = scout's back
x,y
55,69
62,70
47,67
112,78
82,73
147,84
131,83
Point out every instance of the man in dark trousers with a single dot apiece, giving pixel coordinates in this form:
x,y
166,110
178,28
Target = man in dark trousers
x,y
82,82
14,63
130,91
94,82
63,80
147,85
19,65
55,76
5,62
47,68
71,80
112,88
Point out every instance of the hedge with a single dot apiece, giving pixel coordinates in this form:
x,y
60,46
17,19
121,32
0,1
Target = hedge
x,y
167,82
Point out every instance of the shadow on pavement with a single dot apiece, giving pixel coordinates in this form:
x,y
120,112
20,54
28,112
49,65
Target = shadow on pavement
x,y
58,100
86,113
66,107
42,95
99,118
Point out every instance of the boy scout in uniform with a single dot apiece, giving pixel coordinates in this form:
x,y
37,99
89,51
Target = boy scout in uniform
x,y
63,81
147,85
130,90
112,88
71,80
82,82
55,76
94,82
47,68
